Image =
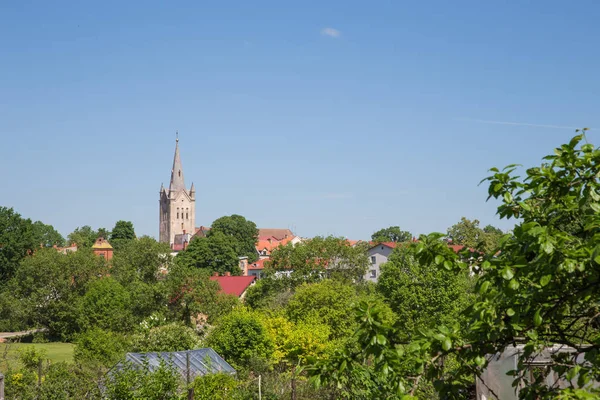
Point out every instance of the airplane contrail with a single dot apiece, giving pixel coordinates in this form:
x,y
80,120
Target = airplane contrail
x,y
485,121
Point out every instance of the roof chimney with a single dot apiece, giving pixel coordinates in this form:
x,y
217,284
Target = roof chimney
x,y
227,273
215,274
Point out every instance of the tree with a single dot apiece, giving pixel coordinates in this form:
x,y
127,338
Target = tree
x,y
391,234
83,236
539,290
106,305
100,346
170,337
215,253
121,234
313,259
423,296
242,230
468,233
17,239
46,288
240,338
141,260
103,232
46,235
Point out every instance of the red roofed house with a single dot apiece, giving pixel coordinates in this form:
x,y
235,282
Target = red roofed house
x,y
378,254
235,285
102,248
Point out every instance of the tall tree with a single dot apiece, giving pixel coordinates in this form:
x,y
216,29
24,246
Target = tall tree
x,y
215,253
242,230
122,233
46,235
83,236
17,239
391,234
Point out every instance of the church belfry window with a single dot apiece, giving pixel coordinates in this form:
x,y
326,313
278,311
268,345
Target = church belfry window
x,y
179,172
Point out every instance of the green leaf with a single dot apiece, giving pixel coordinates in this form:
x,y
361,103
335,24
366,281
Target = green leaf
x,y
480,361
547,247
510,312
575,141
507,273
508,198
484,287
545,280
513,284
537,318
439,259
446,344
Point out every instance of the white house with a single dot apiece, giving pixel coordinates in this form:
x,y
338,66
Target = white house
x,y
378,254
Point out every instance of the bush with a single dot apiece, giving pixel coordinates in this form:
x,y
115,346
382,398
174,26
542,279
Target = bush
x,y
99,346
241,337
171,337
131,382
215,387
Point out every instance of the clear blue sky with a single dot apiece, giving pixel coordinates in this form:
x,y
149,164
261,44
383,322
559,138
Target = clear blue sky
x,y
336,117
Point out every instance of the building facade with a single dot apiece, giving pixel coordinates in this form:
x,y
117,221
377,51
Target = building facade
x,y
177,205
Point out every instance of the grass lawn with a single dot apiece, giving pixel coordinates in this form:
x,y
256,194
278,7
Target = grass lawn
x,y
55,352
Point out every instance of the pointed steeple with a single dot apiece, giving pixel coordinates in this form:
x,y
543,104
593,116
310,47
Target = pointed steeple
x,y
177,184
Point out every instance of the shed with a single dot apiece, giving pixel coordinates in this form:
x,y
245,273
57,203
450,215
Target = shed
x,y
201,362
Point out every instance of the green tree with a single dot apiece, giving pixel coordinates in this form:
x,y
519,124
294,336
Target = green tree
x,y
240,338
106,305
121,234
17,239
391,234
242,230
100,346
318,257
46,289
141,260
83,236
103,232
46,235
423,296
216,253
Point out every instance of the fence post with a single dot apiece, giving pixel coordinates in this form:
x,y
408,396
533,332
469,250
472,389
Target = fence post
x,y
188,377
259,388
1,386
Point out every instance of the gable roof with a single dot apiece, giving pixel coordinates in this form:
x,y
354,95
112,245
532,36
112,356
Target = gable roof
x,y
277,233
101,243
258,265
235,285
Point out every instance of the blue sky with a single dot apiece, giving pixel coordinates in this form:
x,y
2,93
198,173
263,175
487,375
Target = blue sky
x,y
334,117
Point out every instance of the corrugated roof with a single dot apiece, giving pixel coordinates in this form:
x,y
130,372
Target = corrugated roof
x,y
202,362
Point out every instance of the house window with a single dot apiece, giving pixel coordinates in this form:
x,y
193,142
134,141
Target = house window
x,y
187,216
372,259
373,273
177,215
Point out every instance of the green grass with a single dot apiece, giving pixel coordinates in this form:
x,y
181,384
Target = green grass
x,y
55,352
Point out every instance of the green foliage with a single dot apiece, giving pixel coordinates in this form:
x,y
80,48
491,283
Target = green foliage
x,y
100,346
469,234
106,305
121,234
31,357
243,231
170,337
140,260
318,257
328,303
215,387
192,295
46,289
423,296
17,239
46,235
269,293
132,383
83,236
241,337
391,234
215,253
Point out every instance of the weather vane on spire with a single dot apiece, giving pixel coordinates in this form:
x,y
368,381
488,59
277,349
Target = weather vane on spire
x,y
177,136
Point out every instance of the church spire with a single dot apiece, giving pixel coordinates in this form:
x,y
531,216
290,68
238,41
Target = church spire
x,y
177,183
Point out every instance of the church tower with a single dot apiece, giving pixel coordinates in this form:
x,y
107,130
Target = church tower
x,y
177,205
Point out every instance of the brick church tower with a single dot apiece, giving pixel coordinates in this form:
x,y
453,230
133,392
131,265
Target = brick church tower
x,y
177,205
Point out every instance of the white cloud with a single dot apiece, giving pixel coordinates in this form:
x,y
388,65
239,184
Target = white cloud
x,y
331,32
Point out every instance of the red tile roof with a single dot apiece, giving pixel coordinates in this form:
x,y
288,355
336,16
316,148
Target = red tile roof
x,y
235,285
278,234
260,264
270,243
